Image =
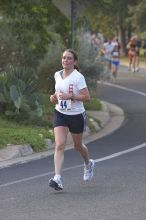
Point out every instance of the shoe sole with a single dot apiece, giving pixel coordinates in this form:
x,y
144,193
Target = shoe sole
x,y
93,165
55,186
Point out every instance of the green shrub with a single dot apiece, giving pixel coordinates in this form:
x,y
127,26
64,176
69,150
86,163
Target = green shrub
x,y
13,133
19,94
94,105
88,64
50,64
87,57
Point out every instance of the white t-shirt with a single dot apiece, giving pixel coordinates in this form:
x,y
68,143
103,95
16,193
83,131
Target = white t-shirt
x,y
108,47
73,83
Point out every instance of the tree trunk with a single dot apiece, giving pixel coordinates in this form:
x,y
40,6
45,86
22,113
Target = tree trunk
x,y
122,37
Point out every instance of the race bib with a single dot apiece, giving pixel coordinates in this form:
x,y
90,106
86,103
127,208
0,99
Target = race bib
x,y
64,104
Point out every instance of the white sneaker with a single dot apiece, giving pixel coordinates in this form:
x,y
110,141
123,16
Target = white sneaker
x,y
88,170
56,184
137,69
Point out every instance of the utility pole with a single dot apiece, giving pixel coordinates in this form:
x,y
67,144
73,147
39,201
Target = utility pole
x,y
73,17
72,9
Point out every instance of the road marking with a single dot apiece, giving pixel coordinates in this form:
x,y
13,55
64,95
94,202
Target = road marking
x,y
124,88
74,167
121,153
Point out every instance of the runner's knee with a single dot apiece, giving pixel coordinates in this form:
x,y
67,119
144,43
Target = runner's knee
x,y
60,146
78,147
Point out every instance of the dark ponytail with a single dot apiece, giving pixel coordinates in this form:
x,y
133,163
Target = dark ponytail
x,y
76,67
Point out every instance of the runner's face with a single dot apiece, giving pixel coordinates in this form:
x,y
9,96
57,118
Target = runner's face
x,y
68,61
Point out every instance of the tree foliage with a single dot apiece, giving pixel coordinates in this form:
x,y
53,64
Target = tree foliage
x,y
32,25
138,14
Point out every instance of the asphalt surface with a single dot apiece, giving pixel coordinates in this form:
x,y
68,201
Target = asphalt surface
x,y
118,189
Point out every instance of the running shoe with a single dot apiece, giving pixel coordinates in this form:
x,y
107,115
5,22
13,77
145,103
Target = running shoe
x,y
56,184
88,170
137,69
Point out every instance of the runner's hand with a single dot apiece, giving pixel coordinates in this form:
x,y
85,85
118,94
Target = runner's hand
x,y
53,98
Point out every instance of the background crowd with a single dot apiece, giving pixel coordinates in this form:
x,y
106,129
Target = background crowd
x,y
111,50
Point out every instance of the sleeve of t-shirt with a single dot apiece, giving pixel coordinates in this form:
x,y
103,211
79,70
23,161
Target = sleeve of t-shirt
x,y
82,83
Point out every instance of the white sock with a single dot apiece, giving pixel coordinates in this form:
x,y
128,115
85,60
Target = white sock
x,y
87,165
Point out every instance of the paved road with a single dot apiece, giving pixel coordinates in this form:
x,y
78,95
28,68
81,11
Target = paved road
x,y
118,190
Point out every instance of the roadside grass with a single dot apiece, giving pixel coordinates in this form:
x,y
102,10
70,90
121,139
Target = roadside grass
x,y
16,133
94,105
12,132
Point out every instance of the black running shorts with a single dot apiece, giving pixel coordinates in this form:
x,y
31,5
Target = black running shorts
x,y
75,123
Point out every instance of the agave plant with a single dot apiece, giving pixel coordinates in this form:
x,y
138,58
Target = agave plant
x,y
19,93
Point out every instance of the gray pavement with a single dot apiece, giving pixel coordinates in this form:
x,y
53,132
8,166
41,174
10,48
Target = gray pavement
x,y
140,73
111,117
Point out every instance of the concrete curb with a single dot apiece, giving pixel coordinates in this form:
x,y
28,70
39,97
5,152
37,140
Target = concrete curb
x,y
111,118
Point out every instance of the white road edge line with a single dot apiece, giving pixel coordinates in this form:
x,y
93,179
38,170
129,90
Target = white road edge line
x,y
124,88
74,167
121,153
